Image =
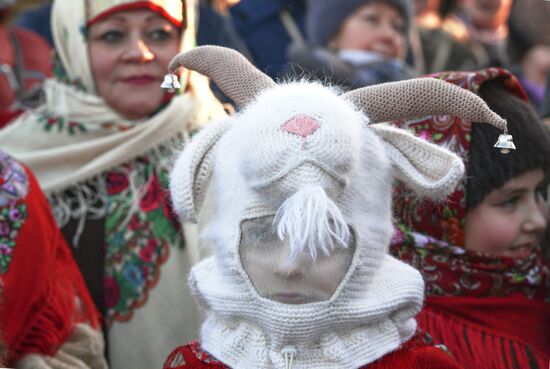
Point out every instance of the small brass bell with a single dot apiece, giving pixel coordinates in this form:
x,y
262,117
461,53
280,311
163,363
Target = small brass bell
x,y
505,143
171,82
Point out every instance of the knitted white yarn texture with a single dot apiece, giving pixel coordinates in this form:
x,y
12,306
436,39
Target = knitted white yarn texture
x,y
287,140
254,165
360,324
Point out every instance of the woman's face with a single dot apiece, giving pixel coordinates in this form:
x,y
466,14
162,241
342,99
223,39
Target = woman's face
x,y
488,14
265,259
511,219
129,55
376,27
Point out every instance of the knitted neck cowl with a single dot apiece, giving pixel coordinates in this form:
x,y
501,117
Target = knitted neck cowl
x,y
362,321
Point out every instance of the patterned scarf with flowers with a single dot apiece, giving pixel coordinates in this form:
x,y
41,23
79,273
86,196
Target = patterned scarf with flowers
x,y
44,298
478,305
106,178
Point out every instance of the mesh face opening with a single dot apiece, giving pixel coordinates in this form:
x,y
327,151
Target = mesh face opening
x,y
265,259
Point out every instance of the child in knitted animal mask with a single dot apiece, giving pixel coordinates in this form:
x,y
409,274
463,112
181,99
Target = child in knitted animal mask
x,y
301,178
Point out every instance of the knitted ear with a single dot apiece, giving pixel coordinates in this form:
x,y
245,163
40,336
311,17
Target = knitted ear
x,y
428,169
192,171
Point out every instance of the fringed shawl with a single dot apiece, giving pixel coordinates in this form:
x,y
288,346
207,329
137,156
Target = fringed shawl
x,y
491,312
43,294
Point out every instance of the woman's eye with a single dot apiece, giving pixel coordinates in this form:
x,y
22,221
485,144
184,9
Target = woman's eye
x,y
160,35
112,36
370,18
399,27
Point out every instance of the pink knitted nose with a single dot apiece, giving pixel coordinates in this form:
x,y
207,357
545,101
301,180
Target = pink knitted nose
x,y
301,125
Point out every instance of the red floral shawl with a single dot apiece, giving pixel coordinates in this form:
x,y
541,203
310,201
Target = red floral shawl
x,y
43,293
491,312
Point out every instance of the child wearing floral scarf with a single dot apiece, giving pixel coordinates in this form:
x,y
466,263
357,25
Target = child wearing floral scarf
x,y
487,283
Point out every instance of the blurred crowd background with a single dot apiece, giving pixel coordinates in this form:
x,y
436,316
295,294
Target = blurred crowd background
x,y
296,37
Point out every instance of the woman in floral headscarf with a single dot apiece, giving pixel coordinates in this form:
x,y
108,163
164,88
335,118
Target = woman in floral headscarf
x,y
101,147
487,284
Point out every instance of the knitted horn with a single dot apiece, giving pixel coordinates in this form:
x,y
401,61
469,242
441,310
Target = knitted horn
x,y
419,97
231,71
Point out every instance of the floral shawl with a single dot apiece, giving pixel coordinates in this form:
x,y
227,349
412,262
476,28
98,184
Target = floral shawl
x,y
98,168
44,297
460,284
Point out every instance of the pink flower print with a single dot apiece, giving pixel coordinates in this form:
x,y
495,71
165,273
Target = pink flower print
x,y
4,229
134,223
153,197
5,249
112,292
14,214
397,237
146,254
425,135
148,251
116,183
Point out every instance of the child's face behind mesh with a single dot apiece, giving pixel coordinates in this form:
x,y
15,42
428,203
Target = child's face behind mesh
x,y
511,219
264,258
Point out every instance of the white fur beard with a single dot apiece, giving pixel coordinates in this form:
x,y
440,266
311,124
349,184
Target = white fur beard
x,y
312,222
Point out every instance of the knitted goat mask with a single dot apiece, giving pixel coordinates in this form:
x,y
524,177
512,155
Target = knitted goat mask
x,y
316,162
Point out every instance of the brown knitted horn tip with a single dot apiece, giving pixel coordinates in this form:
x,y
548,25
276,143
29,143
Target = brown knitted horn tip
x,y
420,97
231,71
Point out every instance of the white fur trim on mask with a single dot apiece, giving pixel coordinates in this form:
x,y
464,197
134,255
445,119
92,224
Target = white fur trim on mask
x,y
313,222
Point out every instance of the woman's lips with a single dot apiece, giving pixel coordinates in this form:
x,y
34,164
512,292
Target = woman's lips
x,y
139,80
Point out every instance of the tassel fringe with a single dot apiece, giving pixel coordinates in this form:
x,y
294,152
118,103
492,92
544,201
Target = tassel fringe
x,y
90,199
479,348
66,304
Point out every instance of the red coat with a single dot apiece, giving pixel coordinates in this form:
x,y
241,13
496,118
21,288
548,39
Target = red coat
x,y
415,354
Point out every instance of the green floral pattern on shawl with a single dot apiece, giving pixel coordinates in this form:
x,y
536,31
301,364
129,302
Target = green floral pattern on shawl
x,y
138,238
14,186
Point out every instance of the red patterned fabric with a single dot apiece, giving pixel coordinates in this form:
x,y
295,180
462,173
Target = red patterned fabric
x,y
43,293
417,353
491,312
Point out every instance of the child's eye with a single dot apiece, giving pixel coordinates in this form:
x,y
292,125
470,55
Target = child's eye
x,y
509,203
112,36
542,192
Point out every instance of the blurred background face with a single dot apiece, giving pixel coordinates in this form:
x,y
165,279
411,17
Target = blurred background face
x,y
488,14
421,6
265,259
129,55
535,66
375,27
